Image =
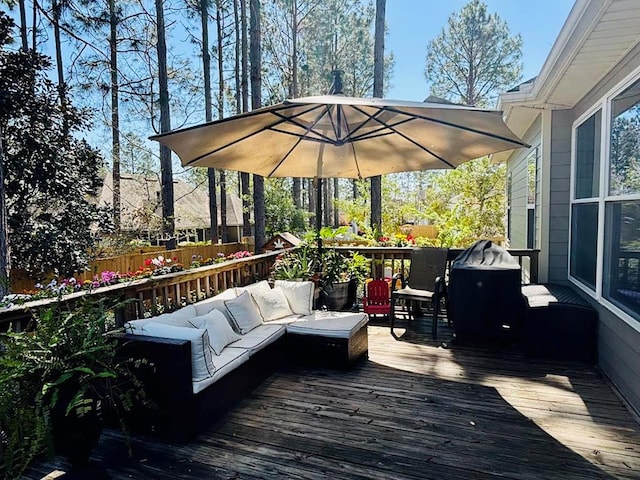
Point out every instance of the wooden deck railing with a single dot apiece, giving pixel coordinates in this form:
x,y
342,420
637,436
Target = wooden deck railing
x,y
397,258
150,296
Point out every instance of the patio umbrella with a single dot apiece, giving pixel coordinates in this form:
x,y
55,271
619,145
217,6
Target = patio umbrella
x,y
334,136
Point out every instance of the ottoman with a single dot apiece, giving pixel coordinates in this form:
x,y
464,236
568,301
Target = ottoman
x,y
328,339
559,324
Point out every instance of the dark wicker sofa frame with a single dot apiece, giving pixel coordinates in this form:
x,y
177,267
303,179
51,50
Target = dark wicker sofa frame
x,y
175,413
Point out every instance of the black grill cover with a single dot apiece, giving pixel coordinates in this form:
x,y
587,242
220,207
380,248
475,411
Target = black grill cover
x,y
485,298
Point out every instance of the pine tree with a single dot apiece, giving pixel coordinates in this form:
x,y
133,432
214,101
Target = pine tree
x,y
474,58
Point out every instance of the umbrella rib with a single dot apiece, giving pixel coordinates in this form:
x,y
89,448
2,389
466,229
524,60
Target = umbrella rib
x,y
459,127
249,135
393,129
300,138
302,125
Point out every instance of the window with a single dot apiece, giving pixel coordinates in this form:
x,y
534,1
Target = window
x,y
584,237
587,164
583,257
622,255
624,152
618,262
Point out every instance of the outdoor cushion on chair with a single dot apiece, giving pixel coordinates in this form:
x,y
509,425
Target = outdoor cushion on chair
x,y
425,282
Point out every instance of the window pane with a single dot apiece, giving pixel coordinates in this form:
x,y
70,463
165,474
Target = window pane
x,y
584,242
622,255
624,156
587,174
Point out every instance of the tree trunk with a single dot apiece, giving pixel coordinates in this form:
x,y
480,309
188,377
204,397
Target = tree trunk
x,y
208,115
223,206
115,115
311,189
378,76
336,210
325,202
23,25
58,46
213,204
244,177
256,102
166,168
294,83
5,254
222,173
34,25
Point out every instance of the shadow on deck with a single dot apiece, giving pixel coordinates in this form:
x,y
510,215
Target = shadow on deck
x,y
416,409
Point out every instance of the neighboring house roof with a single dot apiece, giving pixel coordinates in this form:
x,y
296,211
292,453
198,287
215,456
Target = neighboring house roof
x,y
595,37
141,207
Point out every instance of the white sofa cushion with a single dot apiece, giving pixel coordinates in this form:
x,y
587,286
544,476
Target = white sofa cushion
x,y
260,337
178,318
205,306
202,366
299,295
229,360
220,332
329,324
244,312
272,303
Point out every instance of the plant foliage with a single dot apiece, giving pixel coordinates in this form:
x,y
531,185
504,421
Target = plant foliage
x,y
50,173
71,350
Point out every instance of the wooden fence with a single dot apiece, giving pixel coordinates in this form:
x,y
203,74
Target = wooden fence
x,y
21,282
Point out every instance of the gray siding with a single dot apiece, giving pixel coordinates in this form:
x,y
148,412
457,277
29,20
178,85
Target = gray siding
x,y
559,195
518,170
618,355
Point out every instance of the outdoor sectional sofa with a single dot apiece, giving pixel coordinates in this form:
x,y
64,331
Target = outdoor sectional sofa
x,y
205,357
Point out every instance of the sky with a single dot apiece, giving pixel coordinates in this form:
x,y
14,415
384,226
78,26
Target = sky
x,y
412,24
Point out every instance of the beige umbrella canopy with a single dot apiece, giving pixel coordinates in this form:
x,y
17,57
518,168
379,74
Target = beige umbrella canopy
x,y
334,136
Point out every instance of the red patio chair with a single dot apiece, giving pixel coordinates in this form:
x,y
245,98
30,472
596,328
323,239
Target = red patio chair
x,y
377,301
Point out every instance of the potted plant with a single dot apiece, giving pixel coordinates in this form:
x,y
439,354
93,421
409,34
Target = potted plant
x,y
335,272
67,372
340,274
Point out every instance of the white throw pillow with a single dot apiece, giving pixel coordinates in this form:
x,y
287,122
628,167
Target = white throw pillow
x,y
272,303
201,353
178,318
220,332
261,285
208,304
244,312
299,295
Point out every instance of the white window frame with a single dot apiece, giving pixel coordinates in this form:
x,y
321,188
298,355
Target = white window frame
x,y
604,104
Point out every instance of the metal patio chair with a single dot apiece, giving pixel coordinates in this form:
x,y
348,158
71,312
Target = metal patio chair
x,y
425,283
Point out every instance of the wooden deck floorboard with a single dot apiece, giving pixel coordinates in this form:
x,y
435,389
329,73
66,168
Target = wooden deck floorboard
x,y
417,409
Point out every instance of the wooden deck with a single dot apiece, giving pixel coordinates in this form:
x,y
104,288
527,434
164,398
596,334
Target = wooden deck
x,y
416,409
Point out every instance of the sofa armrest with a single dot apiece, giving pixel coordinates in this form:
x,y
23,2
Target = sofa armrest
x,y
166,379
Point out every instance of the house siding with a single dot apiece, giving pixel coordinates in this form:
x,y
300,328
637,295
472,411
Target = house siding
x,y
618,355
517,167
559,195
